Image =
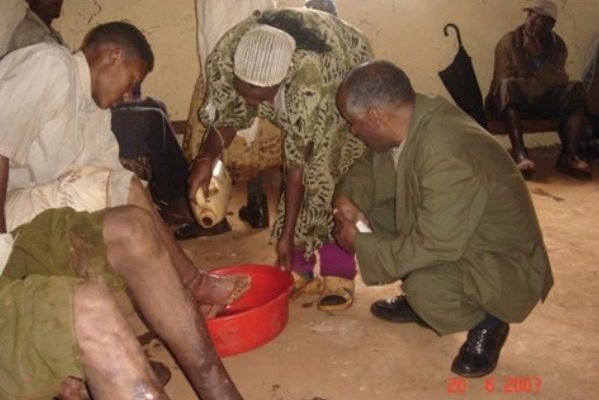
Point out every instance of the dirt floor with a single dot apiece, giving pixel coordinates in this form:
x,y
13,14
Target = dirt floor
x,y
352,355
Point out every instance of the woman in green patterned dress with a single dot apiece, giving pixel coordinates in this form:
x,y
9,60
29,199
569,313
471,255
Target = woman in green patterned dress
x,y
286,66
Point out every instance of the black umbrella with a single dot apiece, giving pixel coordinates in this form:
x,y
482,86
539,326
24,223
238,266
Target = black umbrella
x,y
460,80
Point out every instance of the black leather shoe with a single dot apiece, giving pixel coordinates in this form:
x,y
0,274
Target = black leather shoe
x,y
479,354
396,310
255,213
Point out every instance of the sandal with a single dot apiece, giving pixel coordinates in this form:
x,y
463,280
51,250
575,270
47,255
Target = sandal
x,y
338,294
305,285
575,168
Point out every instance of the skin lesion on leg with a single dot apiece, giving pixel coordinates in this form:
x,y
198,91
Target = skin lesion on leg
x,y
135,250
114,363
206,288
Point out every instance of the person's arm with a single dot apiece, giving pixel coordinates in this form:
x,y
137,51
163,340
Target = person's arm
x,y
222,113
507,51
4,165
453,199
552,73
201,169
346,214
294,194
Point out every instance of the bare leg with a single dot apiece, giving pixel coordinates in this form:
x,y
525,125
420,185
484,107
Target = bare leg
x,y
573,132
525,164
136,250
115,365
206,288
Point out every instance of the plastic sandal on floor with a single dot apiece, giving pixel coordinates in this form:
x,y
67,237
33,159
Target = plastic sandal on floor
x,y
338,294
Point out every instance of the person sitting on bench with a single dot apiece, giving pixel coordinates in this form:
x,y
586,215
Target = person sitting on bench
x,y
530,80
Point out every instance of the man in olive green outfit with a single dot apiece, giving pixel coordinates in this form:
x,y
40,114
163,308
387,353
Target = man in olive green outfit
x,y
449,215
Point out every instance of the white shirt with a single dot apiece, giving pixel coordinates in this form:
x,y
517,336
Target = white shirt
x,y
49,122
6,243
396,152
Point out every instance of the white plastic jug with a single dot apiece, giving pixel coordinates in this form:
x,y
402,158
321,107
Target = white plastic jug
x,y
210,211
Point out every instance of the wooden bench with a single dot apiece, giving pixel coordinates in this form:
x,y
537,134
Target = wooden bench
x,y
497,126
179,126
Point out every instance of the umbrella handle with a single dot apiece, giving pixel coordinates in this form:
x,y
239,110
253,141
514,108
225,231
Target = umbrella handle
x,y
457,32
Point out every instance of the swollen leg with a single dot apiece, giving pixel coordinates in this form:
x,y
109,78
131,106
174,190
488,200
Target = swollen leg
x,y
206,288
114,363
134,249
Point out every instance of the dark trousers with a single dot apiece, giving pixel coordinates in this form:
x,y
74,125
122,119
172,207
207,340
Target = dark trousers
x,y
149,148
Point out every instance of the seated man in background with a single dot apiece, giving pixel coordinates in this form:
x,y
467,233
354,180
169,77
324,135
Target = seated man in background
x,y
148,146
56,146
60,325
530,80
36,27
449,213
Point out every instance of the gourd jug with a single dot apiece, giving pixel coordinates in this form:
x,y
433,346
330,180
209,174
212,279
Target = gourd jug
x,y
211,210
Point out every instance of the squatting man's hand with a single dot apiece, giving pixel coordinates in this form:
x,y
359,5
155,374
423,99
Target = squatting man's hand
x,y
346,214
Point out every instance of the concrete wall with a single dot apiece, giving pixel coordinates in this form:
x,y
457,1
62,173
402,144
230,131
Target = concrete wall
x,y
408,32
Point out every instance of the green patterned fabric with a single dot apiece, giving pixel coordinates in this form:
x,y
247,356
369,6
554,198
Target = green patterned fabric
x,y
305,110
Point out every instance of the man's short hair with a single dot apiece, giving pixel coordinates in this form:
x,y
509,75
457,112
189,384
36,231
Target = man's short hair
x,y
377,84
124,34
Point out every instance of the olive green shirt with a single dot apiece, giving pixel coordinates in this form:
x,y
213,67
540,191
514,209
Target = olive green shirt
x,y
456,198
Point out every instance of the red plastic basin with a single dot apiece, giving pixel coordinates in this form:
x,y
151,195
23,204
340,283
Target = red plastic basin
x,y
258,316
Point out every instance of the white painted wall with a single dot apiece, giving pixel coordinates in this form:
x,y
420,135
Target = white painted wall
x,y
407,32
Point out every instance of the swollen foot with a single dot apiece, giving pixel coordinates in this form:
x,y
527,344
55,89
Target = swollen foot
x,y
218,290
